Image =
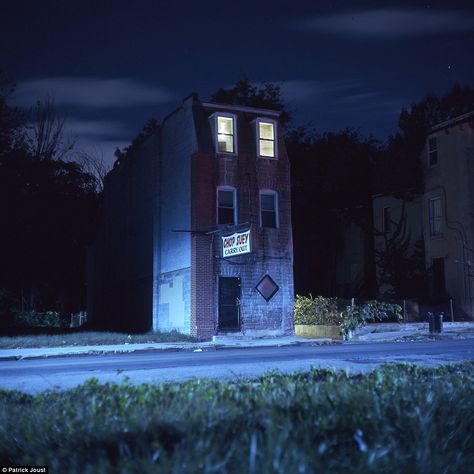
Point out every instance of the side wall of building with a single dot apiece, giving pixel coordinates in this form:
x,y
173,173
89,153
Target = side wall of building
x,y
172,269
123,263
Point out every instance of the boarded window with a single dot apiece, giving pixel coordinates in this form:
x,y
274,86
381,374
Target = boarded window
x,y
226,206
268,210
436,216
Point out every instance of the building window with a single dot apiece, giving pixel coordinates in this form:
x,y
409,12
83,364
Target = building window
x,y
226,205
225,136
436,215
386,219
269,209
432,151
266,142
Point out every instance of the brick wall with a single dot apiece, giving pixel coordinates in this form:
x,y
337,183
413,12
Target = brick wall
x,y
203,211
272,248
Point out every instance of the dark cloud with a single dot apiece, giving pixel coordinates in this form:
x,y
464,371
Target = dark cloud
x,y
392,22
96,128
92,92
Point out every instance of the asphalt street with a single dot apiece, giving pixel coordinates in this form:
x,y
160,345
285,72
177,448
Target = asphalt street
x,y
34,375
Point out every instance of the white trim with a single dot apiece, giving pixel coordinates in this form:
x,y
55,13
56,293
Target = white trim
x,y
257,123
242,108
452,122
430,150
214,129
234,192
270,192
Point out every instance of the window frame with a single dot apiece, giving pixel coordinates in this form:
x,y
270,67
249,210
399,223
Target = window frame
x,y
433,219
215,121
432,151
258,121
269,192
234,203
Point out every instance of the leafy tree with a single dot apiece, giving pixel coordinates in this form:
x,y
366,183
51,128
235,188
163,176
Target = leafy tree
x,y
12,133
149,129
332,175
49,208
266,95
402,271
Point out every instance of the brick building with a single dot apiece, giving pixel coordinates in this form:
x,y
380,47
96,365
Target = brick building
x,y
197,233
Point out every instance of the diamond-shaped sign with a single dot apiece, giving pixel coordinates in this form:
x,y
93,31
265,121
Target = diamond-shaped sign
x,y
267,287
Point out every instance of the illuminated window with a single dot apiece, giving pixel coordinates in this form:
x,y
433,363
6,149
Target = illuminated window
x,y
269,209
225,134
432,151
226,205
436,216
266,133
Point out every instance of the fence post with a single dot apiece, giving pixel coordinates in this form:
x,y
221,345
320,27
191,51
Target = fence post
x,y
352,301
452,309
404,311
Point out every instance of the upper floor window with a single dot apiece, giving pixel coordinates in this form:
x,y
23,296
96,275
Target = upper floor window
x,y
269,209
386,220
266,138
226,133
226,205
436,216
432,151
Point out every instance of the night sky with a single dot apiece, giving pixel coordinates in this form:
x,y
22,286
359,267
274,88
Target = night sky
x,y
113,65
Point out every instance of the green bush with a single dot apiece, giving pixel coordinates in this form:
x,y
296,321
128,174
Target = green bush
x,y
358,315
324,311
50,319
398,419
317,311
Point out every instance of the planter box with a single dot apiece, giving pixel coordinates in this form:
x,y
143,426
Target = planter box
x,y
317,332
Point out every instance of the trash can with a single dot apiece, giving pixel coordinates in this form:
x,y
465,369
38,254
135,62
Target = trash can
x,y
431,322
438,322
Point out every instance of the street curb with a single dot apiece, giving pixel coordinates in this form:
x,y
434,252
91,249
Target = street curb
x,y
213,347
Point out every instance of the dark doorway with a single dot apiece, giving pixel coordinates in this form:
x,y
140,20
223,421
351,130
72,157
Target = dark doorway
x,y
229,303
439,281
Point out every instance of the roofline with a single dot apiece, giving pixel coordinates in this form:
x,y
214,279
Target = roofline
x,y
452,122
241,108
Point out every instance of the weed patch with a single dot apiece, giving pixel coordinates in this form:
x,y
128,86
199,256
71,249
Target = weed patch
x,y
397,419
90,338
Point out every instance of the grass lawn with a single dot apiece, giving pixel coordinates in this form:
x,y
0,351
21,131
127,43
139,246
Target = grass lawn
x,y
399,419
87,338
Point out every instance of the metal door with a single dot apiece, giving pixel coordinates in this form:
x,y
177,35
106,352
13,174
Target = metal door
x,y
229,303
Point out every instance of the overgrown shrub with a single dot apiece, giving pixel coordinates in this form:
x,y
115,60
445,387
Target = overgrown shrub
x,y
325,311
48,319
358,315
397,419
318,311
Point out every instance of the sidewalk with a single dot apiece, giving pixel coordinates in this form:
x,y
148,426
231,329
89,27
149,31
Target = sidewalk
x,y
372,333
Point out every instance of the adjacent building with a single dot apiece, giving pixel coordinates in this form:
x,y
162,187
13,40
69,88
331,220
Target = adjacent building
x,y
443,216
196,234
